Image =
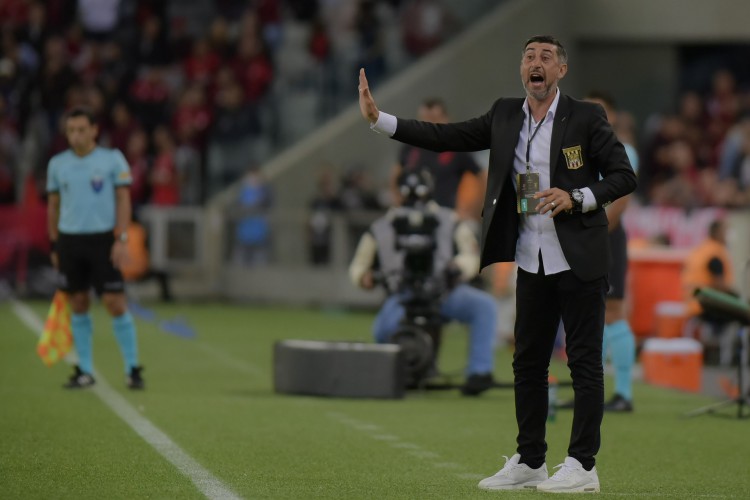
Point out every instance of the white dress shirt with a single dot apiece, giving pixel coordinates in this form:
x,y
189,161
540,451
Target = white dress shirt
x,y
536,232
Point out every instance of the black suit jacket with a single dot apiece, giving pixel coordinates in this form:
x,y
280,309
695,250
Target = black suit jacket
x,y
605,170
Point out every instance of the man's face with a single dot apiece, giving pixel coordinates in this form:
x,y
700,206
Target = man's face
x,y
81,133
541,70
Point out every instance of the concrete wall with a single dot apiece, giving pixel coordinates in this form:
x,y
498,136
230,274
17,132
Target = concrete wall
x,y
700,21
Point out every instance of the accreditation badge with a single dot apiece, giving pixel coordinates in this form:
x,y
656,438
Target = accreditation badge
x,y
528,186
573,157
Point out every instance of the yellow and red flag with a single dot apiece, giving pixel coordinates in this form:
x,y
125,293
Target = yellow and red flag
x,y
56,339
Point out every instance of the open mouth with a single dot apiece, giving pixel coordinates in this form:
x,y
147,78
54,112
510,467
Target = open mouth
x,y
536,78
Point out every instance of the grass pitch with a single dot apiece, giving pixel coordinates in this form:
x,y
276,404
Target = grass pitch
x,y
213,397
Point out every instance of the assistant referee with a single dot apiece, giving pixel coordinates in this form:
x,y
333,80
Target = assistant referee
x,y
88,214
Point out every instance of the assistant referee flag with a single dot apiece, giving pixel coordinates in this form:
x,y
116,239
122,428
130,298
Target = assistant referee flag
x,y
56,339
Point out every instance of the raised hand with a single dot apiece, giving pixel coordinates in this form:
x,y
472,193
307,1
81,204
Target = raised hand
x,y
366,102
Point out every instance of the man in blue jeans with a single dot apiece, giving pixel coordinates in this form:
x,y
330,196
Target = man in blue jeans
x,y
454,260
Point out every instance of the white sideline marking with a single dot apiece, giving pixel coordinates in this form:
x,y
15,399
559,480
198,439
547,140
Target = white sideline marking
x,y
207,483
469,475
375,432
447,465
657,495
406,446
231,361
366,427
384,437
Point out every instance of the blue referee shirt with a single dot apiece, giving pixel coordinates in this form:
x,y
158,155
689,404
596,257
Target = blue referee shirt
x,y
86,185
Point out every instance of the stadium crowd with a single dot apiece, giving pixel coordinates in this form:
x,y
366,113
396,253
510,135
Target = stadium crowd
x,y
193,92
698,155
193,104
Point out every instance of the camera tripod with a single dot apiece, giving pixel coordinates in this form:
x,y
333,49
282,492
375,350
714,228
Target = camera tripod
x,y
419,337
742,400
734,309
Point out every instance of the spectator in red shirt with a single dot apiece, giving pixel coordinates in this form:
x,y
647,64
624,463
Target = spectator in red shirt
x,y
681,188
14,13
121,125
253,67
202,63
10,149
320,43
150,96
55,79
224,78
425,25
165,181
693,116
723,104
37,30
116,72
7,180
219,40
74,43
192,117
152,47
136,154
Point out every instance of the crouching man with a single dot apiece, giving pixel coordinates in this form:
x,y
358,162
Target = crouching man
x,y
421,249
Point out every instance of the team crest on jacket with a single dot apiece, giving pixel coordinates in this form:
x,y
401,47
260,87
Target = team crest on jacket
x,y
573,157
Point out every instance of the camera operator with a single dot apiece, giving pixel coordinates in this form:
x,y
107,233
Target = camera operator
x,y
452,258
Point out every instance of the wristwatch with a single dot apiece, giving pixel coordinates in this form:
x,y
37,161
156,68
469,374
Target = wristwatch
x,y
576,196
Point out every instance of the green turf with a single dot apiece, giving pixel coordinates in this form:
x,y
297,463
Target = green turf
x,y
213,397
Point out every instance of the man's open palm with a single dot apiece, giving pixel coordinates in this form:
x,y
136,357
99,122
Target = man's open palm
x,y
366,102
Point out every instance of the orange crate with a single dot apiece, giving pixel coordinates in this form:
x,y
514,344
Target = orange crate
x,y
674,363
670,319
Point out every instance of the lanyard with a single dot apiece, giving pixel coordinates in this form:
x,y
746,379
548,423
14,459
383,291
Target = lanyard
x,y
531,138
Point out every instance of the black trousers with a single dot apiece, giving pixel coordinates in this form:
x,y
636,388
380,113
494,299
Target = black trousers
x,y
540,303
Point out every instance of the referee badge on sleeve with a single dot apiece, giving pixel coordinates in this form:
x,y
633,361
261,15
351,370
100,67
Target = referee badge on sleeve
x,y
573,157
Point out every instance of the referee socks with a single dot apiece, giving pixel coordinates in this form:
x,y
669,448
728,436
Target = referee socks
x,y
124,328
619,340
82,332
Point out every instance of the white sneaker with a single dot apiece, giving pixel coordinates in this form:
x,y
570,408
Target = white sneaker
x,y
571,478
515,476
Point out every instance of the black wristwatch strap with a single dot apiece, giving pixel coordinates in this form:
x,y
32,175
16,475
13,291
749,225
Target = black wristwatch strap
x,y
577,203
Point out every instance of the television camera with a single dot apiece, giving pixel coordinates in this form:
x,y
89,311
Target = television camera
x,y
420,285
